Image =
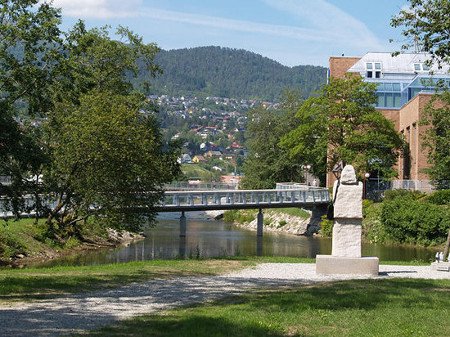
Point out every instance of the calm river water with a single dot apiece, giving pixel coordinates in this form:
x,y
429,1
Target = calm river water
x,y
212,238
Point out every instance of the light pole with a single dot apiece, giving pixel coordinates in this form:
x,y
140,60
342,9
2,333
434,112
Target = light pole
x,y
366,176
306,169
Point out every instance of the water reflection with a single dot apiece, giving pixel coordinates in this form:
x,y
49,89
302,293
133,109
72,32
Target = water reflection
x,y
210,238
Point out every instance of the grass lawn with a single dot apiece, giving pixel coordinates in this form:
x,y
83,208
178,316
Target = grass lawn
x,y
399,307
195,171
17,237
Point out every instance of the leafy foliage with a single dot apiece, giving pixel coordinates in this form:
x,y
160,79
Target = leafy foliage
x,y
99,149
407,219
29,55
441,197
426,25
437,138
108,154
326,227
268,163
226,72
341,124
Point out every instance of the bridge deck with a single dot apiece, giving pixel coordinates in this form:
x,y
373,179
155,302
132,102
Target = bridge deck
x,y
241,199
176,201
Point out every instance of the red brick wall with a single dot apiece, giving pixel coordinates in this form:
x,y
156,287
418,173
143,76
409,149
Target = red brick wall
x,y
340,65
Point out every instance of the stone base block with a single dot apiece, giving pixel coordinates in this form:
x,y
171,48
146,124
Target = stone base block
x,y
346,240
441,266
328,265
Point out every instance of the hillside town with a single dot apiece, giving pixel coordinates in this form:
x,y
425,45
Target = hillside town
x,y
211,130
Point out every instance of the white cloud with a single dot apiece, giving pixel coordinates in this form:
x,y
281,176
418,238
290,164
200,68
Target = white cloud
x,y
327,22
330,21
231,24
100,9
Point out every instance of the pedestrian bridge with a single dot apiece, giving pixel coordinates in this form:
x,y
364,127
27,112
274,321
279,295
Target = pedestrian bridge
x,y
285,195
201,200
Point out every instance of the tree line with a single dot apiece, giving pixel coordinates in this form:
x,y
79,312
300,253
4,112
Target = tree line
x,y
227,72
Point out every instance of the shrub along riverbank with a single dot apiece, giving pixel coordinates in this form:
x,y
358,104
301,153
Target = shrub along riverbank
x,y
408,217
402,217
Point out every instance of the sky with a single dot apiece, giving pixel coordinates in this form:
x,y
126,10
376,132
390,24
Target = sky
x,y
292,32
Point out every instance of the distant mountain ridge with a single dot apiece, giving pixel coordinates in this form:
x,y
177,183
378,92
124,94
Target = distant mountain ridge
x,y
227,72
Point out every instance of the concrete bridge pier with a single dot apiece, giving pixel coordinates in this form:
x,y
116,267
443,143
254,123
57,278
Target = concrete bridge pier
x,y
260,223
182,225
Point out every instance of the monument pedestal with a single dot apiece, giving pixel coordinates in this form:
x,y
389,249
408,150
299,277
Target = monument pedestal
x,y
329,265
440,266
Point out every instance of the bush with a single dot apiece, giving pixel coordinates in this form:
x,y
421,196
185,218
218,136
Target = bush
x,y
415,221
441,197
326,227
372,228
282,223
239,216
394,194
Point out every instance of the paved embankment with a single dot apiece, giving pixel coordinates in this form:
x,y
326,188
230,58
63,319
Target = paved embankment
x,y
76,313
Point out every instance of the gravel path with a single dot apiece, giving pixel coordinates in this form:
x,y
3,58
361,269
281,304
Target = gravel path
x,y
80,312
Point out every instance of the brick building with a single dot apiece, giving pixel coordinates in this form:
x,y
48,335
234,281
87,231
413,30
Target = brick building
x,y
405,85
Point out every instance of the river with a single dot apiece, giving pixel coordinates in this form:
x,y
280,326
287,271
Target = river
x,y
214,238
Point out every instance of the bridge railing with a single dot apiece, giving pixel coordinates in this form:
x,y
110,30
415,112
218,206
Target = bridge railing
x,y
184,185
244,197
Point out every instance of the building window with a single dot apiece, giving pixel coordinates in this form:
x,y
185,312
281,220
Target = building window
x,y
373,69
421,67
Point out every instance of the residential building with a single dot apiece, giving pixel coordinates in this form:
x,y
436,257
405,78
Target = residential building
x,y
405,84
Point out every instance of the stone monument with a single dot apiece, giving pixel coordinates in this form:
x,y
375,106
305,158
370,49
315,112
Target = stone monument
x,y
345,255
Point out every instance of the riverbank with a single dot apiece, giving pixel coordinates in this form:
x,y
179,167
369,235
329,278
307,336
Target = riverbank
x,y
23,242
294,221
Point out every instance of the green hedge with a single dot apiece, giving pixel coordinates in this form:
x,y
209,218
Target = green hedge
x,y
409,217
441,197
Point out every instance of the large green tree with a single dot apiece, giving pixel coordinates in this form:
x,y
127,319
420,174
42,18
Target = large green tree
x,y
103,140
108,161
341,124
29,55
267,163
99,149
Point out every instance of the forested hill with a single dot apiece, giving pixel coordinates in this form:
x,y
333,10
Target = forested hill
x,y
226,72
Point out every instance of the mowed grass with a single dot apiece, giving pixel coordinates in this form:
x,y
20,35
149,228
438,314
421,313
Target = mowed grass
x,y
33,283
400,307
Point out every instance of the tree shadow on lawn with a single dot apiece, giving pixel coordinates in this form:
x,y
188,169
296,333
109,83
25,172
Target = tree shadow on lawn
x,y
359,294
226,317
193,325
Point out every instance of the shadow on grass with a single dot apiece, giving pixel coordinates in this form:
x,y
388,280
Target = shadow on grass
x,y
359,294
194,325
279,312
47,286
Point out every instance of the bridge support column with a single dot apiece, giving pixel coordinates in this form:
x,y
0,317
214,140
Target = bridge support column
x,y
259,224
182,225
